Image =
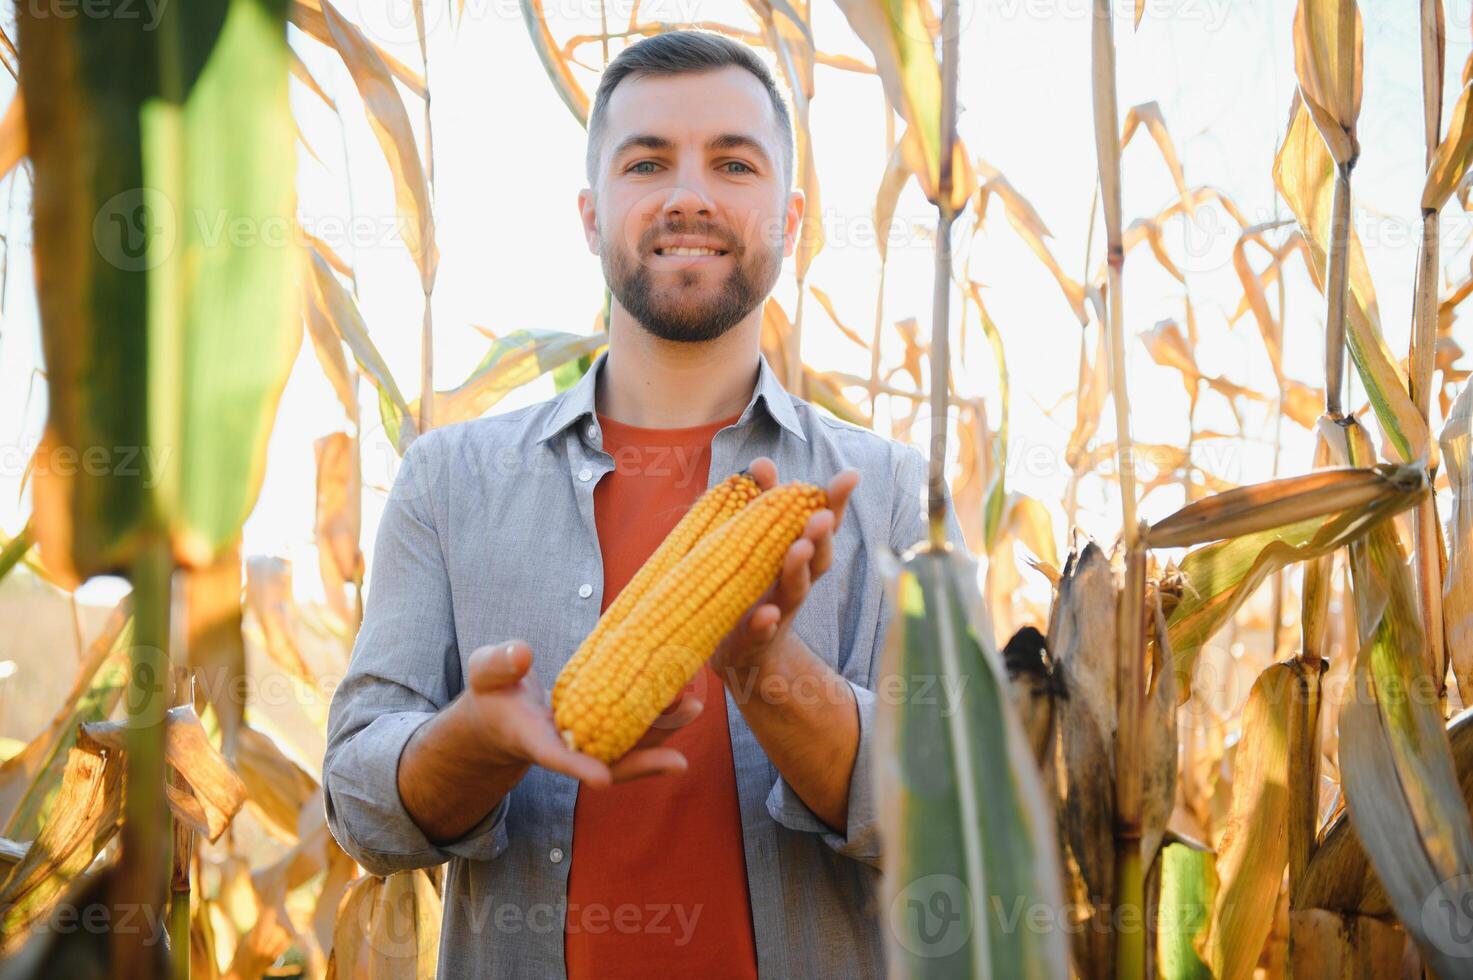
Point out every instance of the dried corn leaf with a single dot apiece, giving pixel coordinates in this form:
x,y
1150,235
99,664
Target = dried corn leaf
x,y
87,814
12,135
387,927
554,62
327,342
28,778
828,307
390,124
214,647
339,517
342,313
1396,762
1327,59
1255,847
277,789
1457,586
1158,741
211,793
518,358
1327,944
905,58
1304,174
1221,576
269,597
1150,114
896,175
1289,500
1030,227
301,73
308,16
1450,163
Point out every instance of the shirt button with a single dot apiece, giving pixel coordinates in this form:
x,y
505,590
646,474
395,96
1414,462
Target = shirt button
x,y
555,855
585,590
593,432
585,474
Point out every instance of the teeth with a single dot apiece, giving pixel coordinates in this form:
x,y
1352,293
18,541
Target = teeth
x,y
690,251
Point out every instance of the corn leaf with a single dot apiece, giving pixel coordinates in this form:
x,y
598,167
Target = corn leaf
x,y
390,124
558,69
1289,500
964,814
1327,59
388,927
88,812
1255,847
1220,577
1457,587
12,135
520,357
1396,761
1304,174
1188,887
138,288
308,16
337,308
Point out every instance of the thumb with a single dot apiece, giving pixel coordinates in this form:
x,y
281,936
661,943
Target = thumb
x,y
497,666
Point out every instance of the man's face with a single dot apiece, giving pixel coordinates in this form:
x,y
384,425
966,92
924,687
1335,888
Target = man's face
x,y
691,160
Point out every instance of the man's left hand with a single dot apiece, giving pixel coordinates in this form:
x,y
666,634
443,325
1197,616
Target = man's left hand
x,y
765,627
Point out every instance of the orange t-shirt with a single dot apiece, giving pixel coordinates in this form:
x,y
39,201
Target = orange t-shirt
x,y
657,884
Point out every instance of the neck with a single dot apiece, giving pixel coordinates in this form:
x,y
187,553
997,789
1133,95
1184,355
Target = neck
x,y
661,384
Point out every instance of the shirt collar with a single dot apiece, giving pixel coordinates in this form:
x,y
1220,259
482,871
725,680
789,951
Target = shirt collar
x,y
577,402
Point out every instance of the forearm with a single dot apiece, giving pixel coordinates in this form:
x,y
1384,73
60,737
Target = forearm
x,y
445,787
804,716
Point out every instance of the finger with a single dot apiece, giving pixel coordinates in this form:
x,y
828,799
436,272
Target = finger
x,y
639,763
840,488
793,586
679,715
491,668
821,532
764,472
549,752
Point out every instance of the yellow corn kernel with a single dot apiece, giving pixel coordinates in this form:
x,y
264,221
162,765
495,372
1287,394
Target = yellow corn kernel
x,y
642,663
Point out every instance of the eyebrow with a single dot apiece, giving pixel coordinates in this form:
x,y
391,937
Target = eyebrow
x,y
726,141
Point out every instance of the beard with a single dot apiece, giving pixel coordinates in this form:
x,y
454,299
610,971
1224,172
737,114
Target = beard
x,y
677,305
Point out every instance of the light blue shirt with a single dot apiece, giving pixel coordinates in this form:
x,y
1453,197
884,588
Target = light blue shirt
x,y
488,535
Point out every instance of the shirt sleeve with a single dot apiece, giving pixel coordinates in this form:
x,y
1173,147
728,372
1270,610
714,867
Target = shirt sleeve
x,y
861,841
404,668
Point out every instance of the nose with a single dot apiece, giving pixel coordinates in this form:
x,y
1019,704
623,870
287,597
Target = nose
x,y
686,198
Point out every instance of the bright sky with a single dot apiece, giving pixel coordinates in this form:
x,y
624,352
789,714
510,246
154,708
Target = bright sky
x,y
509,164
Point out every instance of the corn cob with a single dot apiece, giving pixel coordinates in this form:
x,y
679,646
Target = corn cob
x,y
642,663
714,506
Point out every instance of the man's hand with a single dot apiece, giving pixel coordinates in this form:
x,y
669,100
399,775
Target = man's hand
x,y
764,627
514,725
457,767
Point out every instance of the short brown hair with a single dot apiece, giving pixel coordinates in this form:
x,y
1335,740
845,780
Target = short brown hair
x,y
679,52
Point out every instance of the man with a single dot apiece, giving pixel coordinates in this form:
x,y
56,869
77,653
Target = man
x,y
738,839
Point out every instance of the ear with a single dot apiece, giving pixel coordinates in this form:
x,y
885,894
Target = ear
x,y
588,213
793,221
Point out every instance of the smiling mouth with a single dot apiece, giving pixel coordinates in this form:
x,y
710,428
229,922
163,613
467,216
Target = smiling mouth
x,y
690,252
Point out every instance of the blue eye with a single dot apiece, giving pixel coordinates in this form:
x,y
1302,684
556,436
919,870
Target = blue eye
x,y
740,164
642,163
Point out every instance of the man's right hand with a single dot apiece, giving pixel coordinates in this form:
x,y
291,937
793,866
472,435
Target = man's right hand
x,y
457,767
511,716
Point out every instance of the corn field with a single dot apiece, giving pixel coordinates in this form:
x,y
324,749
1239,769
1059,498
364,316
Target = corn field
x,y
1215,657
